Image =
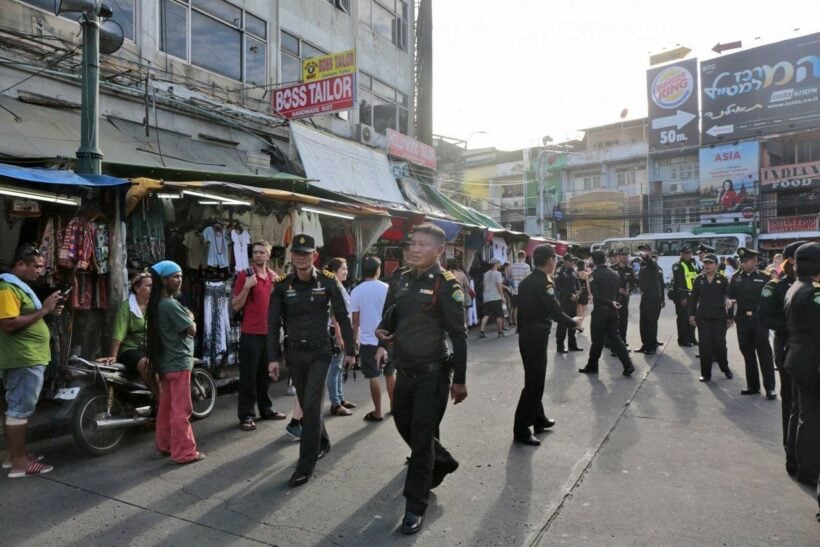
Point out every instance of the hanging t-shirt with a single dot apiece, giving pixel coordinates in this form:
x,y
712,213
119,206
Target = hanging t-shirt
x,y
240,241
280,231
316,229
196,250
500,249
217,242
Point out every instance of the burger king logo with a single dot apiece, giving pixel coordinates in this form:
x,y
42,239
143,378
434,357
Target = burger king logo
x,y
672,86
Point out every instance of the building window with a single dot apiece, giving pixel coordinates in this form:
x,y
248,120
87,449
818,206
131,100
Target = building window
x,y
382,106
626,178
294,51
343,5
123,13
388,18
224,38
587,182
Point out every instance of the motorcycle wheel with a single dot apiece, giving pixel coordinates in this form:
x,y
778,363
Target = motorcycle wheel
x,y
203,393
89,409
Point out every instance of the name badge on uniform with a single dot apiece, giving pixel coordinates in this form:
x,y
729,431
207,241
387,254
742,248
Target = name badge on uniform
x,y
290,293
426,291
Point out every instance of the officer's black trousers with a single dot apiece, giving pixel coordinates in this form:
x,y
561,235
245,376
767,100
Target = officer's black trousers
x,y
604,326
712,334
532,344
623,318
780,341
686,333
570,308
253,376
650,312
807,439
418,407
309,372
753,337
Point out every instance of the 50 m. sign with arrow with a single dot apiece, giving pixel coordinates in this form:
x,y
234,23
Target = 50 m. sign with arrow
x,y
677,120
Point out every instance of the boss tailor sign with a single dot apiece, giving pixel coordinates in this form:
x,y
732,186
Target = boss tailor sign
x,y
313,98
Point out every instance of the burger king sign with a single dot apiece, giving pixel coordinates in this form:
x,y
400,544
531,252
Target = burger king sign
x,y
673,105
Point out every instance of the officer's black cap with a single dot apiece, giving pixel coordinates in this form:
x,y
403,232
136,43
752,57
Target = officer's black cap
x,y
686,249
710,257
303,243
746,254
644,247
623,251
791,248
568,257
543,252
808,253
703,248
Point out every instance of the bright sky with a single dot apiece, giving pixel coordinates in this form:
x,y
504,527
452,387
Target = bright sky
x,y
522,69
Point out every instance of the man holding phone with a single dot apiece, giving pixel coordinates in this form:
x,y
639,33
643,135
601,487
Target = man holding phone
x,y
24,355
251,296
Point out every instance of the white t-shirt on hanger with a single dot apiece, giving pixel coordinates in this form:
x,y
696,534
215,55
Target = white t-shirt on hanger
x,y
240,241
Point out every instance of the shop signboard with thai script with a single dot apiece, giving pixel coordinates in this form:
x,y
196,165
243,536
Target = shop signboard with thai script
x,y
803,176
313,98
408,148
728,183
763,90
804,223
672,94
326,66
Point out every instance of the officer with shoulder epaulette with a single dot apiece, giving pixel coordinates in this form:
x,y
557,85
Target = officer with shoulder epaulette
x,y
702,250
537,309
803,361
745,290
628,283
567,289
684,272
422,311
650,279
302,304
711,312
773,316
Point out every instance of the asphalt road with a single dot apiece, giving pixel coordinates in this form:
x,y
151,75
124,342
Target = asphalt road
x,y
655,459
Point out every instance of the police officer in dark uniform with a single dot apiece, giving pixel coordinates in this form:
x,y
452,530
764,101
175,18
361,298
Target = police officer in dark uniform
x,y
301,303
604,284
803,361
650,280
627,285
421,312
684,272
567,289
773,316
537,308
704,249
745,289
708,312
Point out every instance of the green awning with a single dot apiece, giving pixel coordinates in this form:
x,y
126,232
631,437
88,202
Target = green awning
x,y
457,211
745,228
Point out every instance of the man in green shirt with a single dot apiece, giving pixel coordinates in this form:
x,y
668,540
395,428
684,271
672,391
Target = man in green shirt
x,y
171,331
24,355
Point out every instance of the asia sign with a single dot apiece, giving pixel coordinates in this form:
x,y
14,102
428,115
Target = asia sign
x,y
408,148
326,66
790,177
805,223
313,98
728,183
762,90
672,93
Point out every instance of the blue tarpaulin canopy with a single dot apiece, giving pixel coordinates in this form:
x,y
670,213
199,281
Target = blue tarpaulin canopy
x,y
57,176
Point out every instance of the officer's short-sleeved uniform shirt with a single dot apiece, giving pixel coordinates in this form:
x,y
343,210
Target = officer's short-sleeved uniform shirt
x,y
177,345
26,347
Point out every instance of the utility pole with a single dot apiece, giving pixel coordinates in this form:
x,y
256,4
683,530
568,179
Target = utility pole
x,y
89,154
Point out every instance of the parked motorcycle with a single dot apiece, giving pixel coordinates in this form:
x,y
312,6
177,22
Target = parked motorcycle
x,y
107,402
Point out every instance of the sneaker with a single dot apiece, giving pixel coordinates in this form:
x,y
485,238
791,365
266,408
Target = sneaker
x,y
501,334
294,429
291,390
33,469
481,334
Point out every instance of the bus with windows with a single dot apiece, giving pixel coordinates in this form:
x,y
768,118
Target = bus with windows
x,y
668,245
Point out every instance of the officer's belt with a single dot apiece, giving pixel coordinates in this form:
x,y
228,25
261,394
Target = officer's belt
x,y
748,313
308,344
419,370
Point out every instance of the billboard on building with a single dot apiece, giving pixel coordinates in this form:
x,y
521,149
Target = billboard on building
x,y
729,183
763,90
790,177
313,98
326,66
672,94
408,148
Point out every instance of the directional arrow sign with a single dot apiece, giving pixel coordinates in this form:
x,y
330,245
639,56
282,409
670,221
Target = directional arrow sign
x,y
720,48
678,120
716,130
671,55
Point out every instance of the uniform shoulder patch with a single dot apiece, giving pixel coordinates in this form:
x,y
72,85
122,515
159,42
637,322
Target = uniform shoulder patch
x,y
766,292
774,280
328,274
815,284
765,273
458,295
676,266
448,275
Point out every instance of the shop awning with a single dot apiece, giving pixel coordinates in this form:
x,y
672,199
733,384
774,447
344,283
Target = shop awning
x,y
56,176
790,235
346,167
458,212
724,229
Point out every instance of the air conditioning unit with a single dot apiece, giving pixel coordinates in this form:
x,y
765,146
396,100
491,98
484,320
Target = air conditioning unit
x,y
365,134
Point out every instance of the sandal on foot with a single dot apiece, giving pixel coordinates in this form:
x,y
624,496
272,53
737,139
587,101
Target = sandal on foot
x,y
198,458
349,405
339,410
247,425
29,458
33,469
371,417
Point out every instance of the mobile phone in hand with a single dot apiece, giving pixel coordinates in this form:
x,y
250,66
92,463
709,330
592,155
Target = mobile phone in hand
x,y
64,294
